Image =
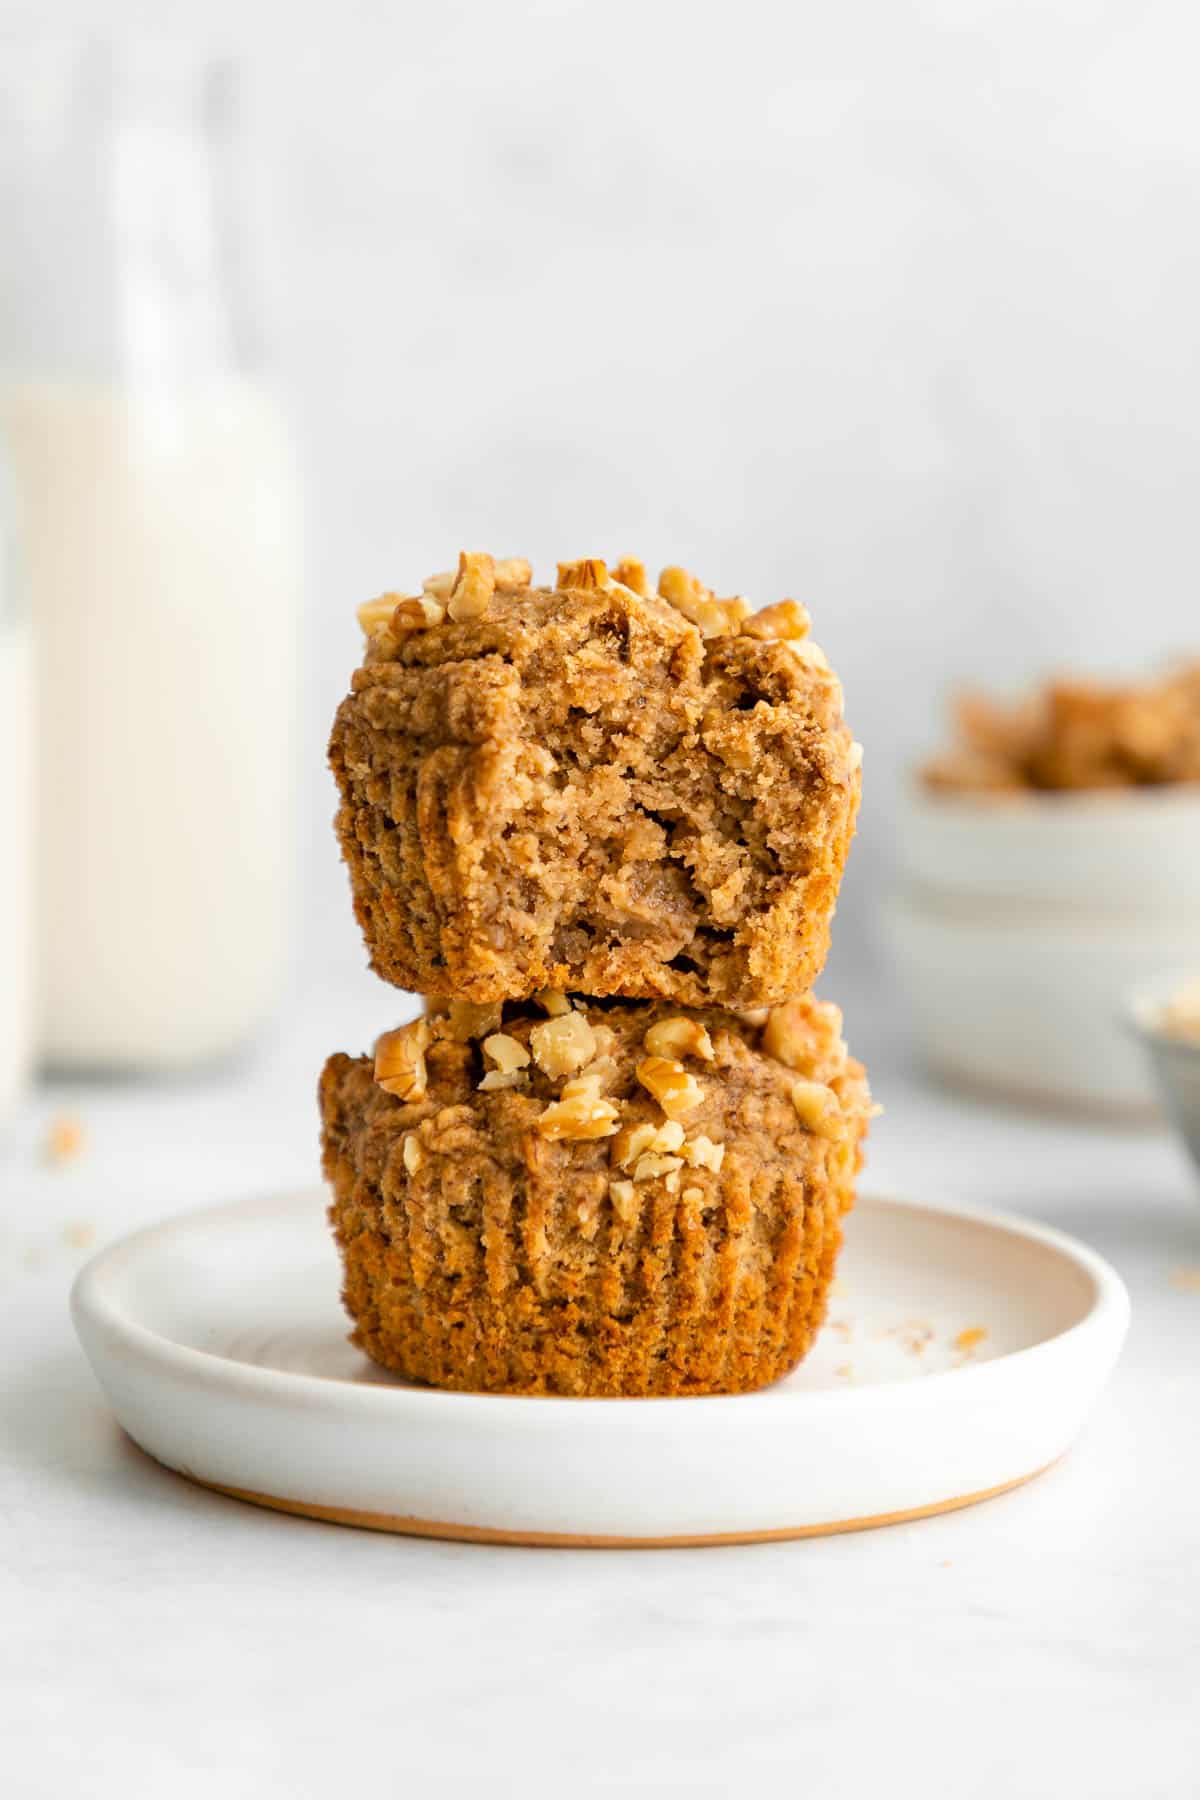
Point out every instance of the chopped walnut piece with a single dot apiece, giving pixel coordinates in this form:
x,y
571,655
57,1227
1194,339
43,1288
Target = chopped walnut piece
x,y
624,1198
650,1166
563,1045
506,1052
552,1002
817,1108
468,1020
811,655
417,614
400,1060
513,572
376,615
503,1078
676,1091
474,587
788,1035
630,1142
692,1196
787,619
701,1153
579,1114
715,618
634,1141
590,572
599,1072
679,1037
413,1154
440,586
632,574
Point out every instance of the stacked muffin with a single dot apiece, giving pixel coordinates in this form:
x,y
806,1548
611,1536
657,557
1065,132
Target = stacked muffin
x,y
601,829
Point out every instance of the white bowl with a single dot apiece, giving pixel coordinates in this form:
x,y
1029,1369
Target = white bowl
x,y
1112,851
1024,920
1031,1007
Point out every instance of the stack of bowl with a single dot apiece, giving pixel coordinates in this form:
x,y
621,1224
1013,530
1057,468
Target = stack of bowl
x,y
1023,920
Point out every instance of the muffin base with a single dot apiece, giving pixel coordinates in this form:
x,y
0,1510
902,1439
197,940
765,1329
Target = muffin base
x,y
504,1263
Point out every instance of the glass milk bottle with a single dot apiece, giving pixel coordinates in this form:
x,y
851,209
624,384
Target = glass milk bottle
x,y
158,526
16,827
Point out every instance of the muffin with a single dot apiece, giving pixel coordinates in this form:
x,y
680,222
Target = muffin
x,y
593,787
593,1198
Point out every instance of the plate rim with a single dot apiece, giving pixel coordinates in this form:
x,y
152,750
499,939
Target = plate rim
x,y
92,1306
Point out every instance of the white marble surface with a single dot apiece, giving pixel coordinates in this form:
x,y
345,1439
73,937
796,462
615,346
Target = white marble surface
x,y
162,1640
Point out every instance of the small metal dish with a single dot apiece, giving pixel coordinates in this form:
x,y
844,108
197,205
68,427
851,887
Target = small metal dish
x,y
1174,1061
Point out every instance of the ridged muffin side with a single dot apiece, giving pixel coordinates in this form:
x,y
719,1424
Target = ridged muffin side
x,y
489,1244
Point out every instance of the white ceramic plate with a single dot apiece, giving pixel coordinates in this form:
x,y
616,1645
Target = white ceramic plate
x,y
962,1353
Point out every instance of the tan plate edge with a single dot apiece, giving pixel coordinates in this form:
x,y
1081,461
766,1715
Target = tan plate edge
x,y
402,1525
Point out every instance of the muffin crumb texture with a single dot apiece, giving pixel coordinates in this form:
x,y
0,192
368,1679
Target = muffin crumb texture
x,y
593,787
565,1231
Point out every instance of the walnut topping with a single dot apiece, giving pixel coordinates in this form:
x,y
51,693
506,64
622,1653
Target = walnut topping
x,y
376,615
635,1141
417,614
599,1072
715,618
562,1045
701,1153
413,1154
679,1037
676,1091
590,572
817,1108
799,1033
624,1198
692,1196
468,1019
400,1060
503,1078
814,660
506,1052
579,1114
552,1002
632,574
474,587
787,619
649,1166
513,572
440,586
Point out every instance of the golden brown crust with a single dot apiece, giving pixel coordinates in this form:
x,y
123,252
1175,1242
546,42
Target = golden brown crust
x,y
664,1257
584,788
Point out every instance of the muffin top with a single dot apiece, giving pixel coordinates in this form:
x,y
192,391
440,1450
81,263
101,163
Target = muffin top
x,y
595,786
657,1081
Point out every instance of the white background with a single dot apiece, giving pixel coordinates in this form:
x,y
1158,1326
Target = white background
x,y
892,308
